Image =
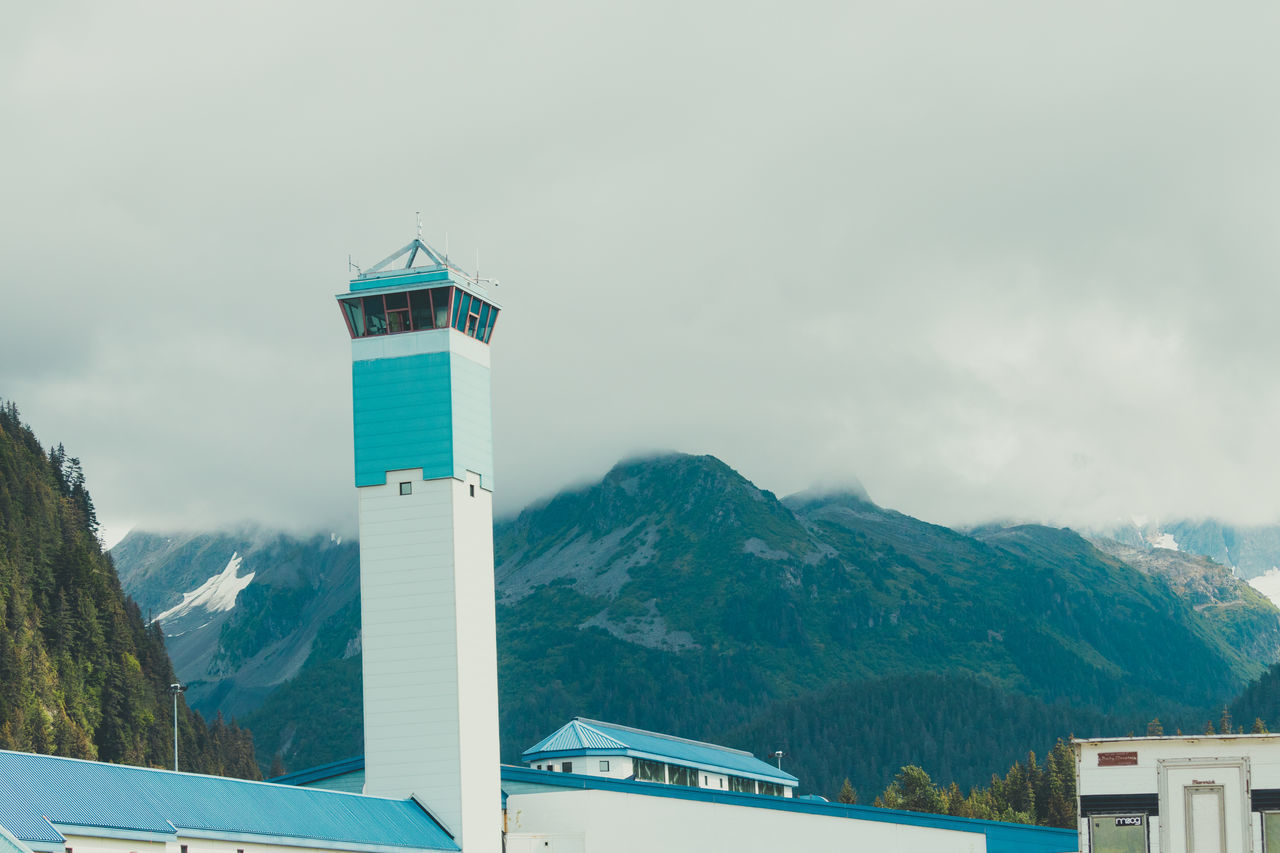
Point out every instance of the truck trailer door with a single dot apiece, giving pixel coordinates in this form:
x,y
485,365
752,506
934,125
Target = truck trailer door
x,y
1206,819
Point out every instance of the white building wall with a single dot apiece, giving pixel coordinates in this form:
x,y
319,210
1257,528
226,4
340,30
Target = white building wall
x,y
615,822
429,648
620,766
1166,765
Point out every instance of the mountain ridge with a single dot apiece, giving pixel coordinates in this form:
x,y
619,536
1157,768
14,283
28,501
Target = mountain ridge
x,y
675,595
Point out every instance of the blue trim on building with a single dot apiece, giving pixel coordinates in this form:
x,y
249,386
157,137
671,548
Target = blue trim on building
x,y
39,792
398,282
321,771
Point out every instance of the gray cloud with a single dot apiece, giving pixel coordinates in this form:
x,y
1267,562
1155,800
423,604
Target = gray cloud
x,y
992,259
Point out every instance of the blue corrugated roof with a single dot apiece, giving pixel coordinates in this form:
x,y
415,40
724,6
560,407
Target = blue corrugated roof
x,y
321,771
576,735
71,792
581,735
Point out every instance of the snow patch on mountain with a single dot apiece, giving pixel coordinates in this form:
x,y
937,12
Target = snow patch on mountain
x,y
1161,540
215,595
1268,585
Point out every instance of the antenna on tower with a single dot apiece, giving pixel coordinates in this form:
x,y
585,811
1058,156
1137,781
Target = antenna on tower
x,y
353,266
419,224
446,248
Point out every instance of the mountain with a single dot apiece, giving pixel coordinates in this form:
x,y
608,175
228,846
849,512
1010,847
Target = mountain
x,y
240,609
81,675
676,595
1252,550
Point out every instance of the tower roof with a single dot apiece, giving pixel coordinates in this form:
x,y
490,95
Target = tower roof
x,y
417,246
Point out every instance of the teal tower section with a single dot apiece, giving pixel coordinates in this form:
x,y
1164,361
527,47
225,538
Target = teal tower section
x,y
420,393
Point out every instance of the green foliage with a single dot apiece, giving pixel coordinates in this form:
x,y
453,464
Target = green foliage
x,y
848,794
1027,793
81,675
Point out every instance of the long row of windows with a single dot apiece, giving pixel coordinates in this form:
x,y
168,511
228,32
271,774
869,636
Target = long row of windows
x,y
675,774
420,310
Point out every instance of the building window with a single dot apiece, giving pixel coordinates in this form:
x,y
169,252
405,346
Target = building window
x,y
1271,832
473,490
604,766
1112,833
678,775
184,848
567,767
649,771
418,311
406,488
740,785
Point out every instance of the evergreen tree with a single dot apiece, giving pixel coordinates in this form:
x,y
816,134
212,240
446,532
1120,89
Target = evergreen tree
x,y
80,674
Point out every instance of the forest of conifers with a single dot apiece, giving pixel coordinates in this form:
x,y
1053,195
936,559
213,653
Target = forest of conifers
x,y
82,675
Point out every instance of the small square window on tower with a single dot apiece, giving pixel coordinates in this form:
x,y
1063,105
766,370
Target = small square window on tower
x,y
406,488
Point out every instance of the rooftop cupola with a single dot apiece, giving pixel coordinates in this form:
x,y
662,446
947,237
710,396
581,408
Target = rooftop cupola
x,y
416,289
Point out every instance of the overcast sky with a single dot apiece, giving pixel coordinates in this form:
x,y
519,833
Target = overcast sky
x,y
991,259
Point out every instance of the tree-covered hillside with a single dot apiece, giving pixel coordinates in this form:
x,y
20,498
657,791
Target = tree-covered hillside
x,y
80,673
675,595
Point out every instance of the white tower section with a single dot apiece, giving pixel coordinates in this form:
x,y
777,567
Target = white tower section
x,y
424,480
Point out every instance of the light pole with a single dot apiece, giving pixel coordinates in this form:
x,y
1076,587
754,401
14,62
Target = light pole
x,y
778,755
176,688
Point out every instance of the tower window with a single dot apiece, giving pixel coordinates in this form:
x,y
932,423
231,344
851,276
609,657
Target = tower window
x,y
604,766
473,490
406,488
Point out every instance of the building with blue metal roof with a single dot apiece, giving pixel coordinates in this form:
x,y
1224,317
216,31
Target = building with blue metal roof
x,y
50,804
595,748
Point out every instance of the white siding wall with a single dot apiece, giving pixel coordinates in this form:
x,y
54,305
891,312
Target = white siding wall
x,y
613,822
429,647
1187,760
589,765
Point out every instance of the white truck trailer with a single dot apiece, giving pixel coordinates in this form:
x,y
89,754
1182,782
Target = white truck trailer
x,y
1180,794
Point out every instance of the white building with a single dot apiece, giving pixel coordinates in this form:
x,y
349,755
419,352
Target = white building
x,y
622,752
1192,794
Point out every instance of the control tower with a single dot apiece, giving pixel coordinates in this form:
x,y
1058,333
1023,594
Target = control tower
x,y
420,331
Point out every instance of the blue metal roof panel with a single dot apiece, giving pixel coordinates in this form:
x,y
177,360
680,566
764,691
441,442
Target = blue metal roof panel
x,y
9,844
118,797
321,771
575,735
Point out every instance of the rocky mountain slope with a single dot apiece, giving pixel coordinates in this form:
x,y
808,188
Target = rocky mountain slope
x,y
674,594
240,610
1252,550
